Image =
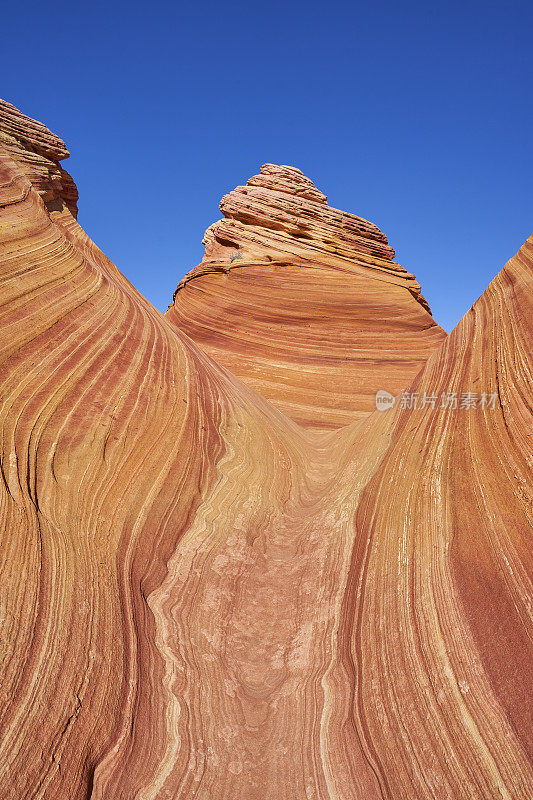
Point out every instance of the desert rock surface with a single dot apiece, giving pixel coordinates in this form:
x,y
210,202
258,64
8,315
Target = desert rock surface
x,y
224,585
295,297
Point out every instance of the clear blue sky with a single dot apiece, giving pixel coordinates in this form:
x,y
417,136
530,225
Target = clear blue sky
x,y
415,115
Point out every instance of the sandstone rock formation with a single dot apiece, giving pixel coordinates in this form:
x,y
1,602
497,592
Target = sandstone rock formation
x,y
295,297
38,152
201,598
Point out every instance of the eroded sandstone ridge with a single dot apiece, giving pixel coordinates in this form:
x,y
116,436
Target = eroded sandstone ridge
x,y
201,598
294,296
38,153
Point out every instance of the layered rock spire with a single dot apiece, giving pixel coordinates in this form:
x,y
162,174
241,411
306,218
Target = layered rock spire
x,y
295,297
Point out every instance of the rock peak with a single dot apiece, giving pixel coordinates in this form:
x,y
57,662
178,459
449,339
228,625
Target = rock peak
x,y
38,151
32,133
289,180
279,215
293,295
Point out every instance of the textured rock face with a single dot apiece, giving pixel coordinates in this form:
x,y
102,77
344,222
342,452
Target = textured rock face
x,y
444,556
297,298
38,152
202,599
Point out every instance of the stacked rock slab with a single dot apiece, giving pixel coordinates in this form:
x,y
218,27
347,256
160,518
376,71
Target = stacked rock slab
x,y
202,600
38,152
304,302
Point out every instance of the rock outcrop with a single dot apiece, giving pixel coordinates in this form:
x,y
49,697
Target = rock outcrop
x,y
296,297
441,621
202,599
38,152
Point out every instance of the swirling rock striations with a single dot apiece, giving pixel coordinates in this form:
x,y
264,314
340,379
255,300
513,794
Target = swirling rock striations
x,y
438,619
294,296
202,599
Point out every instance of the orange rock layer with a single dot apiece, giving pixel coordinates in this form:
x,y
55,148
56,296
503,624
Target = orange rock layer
x,y
202,599
297,298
